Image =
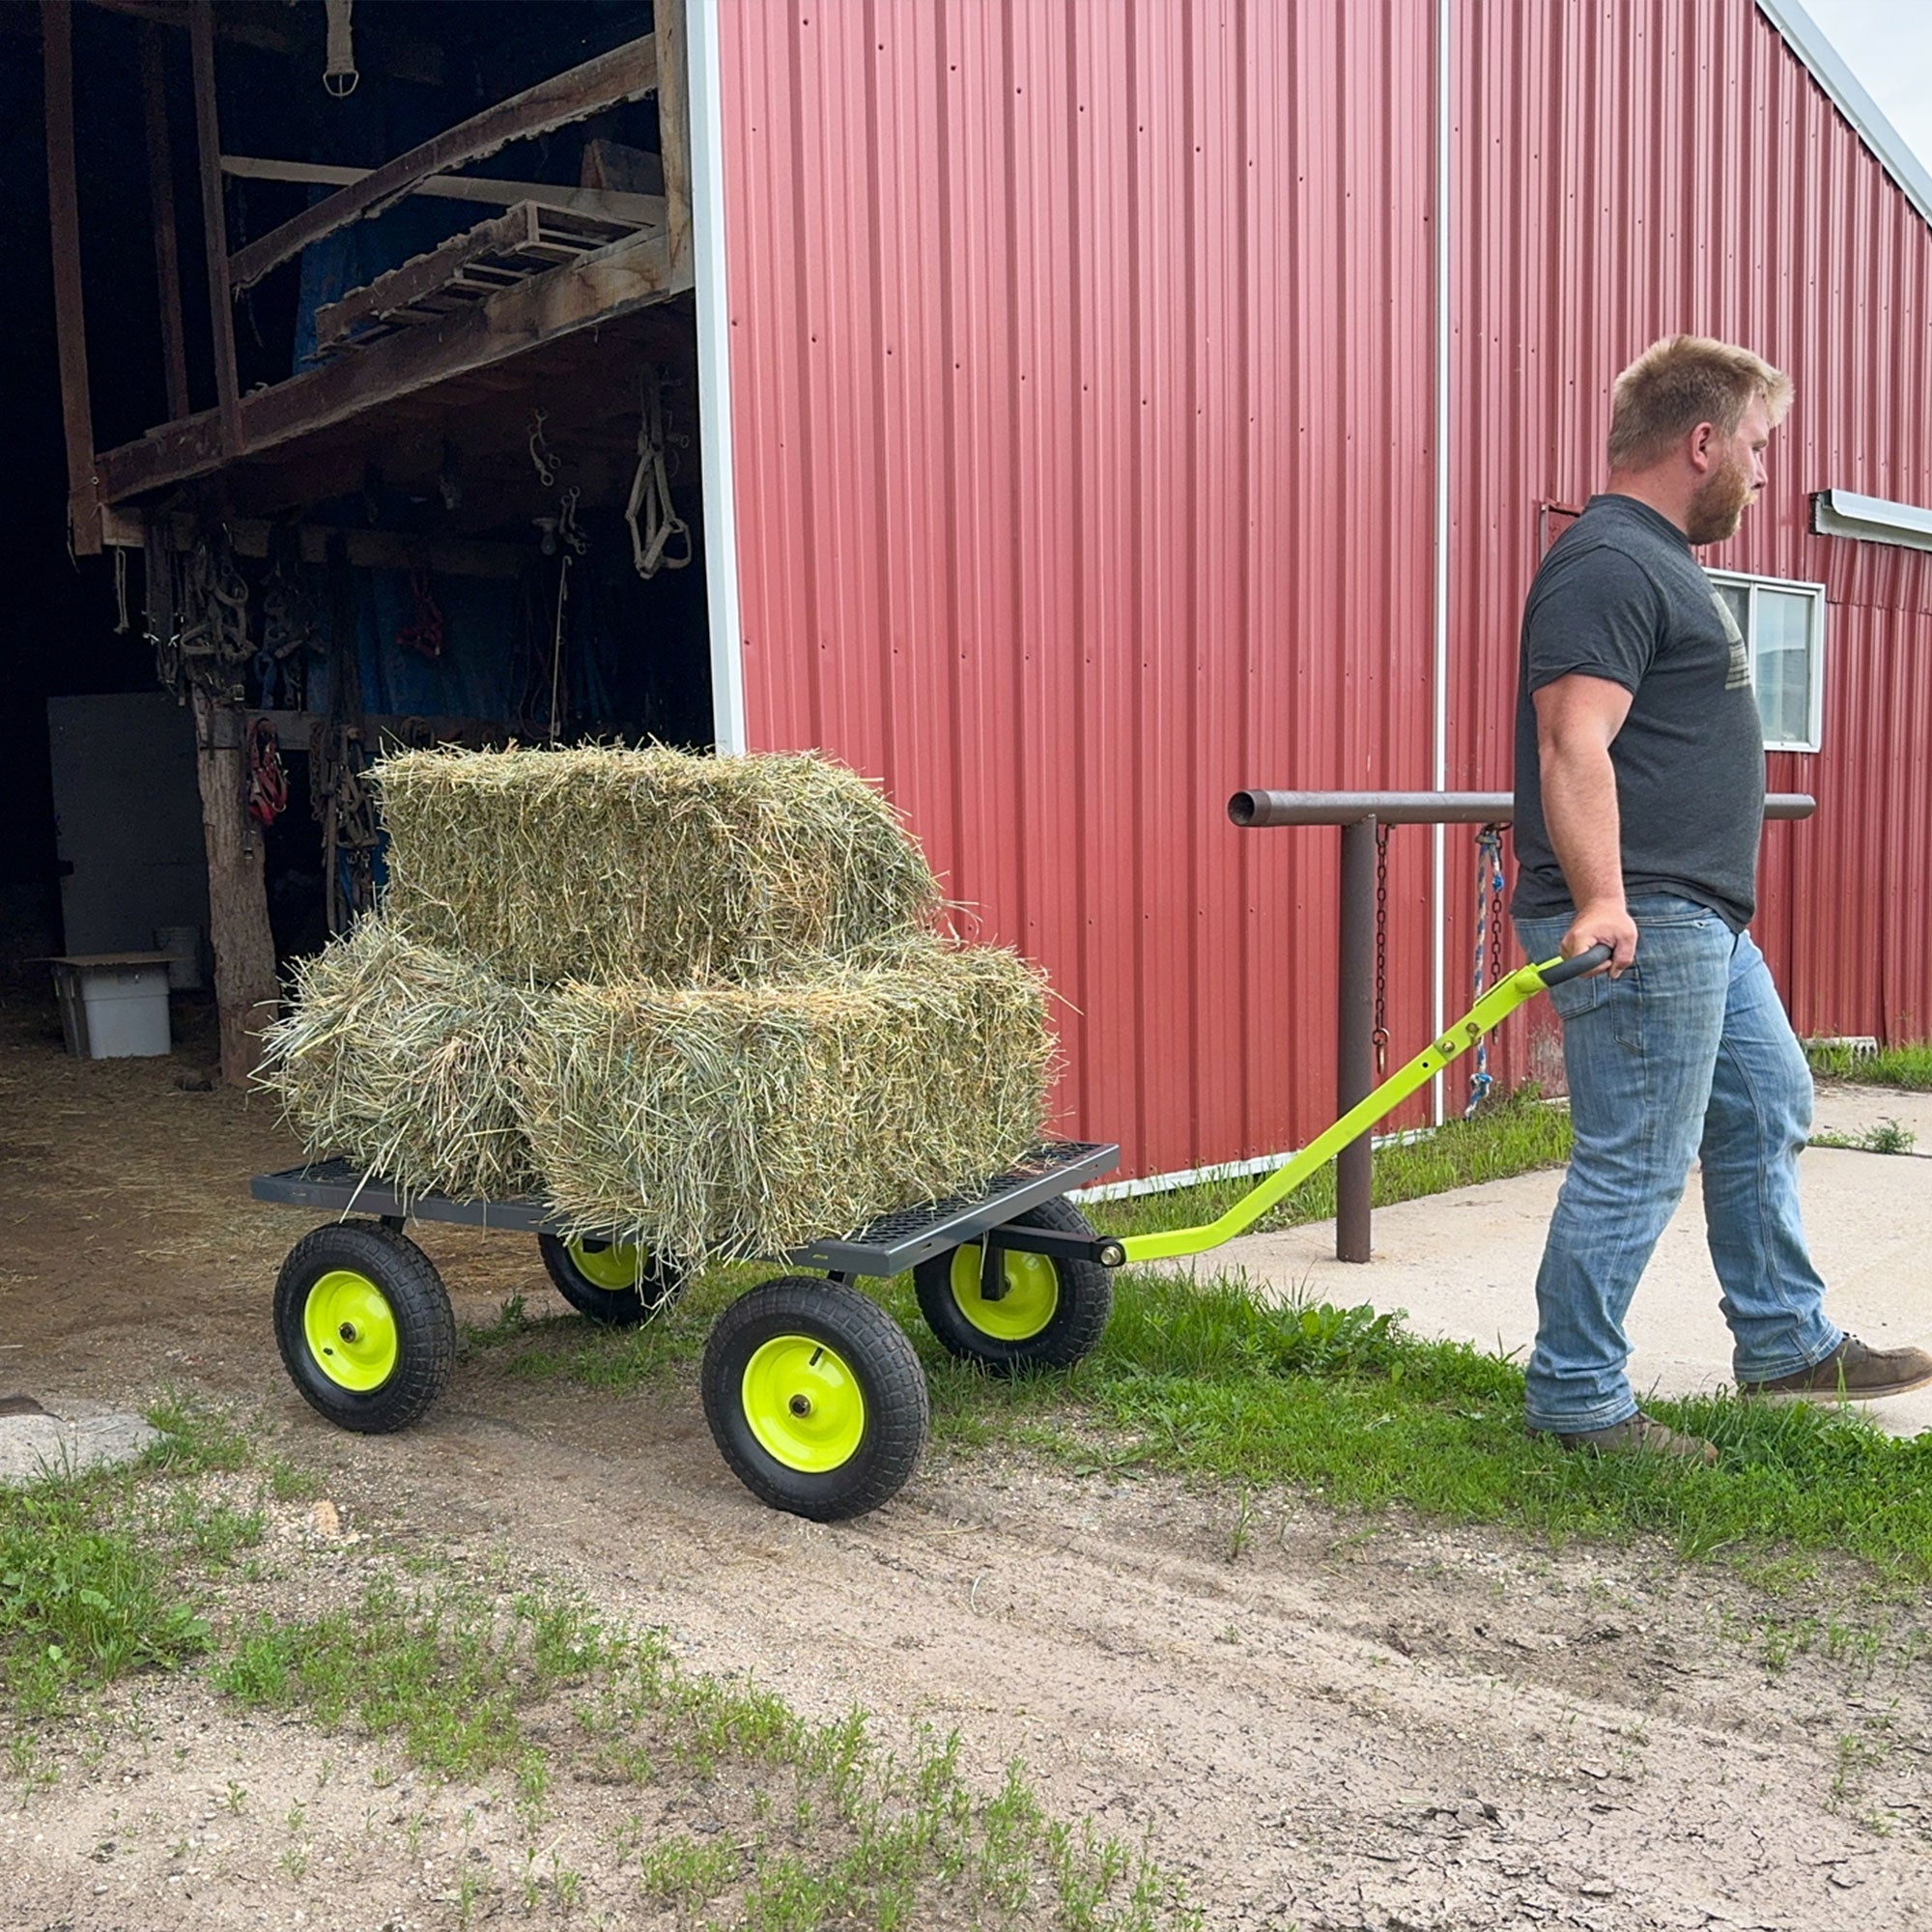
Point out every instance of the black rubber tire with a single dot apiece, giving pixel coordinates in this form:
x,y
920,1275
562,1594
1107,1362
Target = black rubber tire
x,y
418,1303
1079,1319
881,1360
659,1282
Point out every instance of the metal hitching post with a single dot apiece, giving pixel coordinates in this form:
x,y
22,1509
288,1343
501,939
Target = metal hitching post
x,y
1354,1036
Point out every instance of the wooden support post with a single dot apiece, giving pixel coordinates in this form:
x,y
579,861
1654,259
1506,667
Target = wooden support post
x,y
161,196
83,511
245,992
214,223
237,895
674,132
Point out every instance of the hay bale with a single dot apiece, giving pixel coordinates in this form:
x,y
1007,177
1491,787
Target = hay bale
x,y
595,863
403,1058
721,1122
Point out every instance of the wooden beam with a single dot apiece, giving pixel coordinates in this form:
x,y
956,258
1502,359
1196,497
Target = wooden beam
x,y
600,287
294,729
161,198
624,73
366,550
214,223
406,56
84,514
643,211
675,130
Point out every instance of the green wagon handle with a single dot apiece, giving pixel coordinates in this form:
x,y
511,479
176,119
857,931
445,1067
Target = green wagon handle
x,y
1489,1012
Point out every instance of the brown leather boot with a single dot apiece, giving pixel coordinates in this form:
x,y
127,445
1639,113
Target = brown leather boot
x,y
1637,1434
1852,1373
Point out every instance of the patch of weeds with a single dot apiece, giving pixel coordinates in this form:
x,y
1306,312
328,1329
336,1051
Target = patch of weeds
x,y
1857,1648
569,1347
1908,1064
1884,1137
198,1438
1781,1576
1860,1753
684,1874
472,1882
510,1321
296,1854
290,1483
35,1772
831,1827
213,1530
83,1599
444,1674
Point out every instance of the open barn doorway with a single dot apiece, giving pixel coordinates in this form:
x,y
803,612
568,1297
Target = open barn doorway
x,y
379,377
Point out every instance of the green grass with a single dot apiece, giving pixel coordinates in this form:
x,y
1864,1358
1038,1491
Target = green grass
x,y
819,1824
83,1599
1909,1064
1207,1380
105,1573
1514,1134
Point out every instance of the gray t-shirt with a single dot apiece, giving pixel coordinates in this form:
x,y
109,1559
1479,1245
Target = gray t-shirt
x,y
1620,596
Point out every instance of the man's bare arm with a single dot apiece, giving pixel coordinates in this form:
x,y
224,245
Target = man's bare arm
x,y
1576,719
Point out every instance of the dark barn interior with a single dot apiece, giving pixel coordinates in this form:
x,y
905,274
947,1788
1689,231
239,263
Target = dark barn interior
x,y
405,454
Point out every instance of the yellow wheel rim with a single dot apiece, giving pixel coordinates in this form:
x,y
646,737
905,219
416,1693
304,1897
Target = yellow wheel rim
x,y
351,1330
1028,1304
611,1265
803,1404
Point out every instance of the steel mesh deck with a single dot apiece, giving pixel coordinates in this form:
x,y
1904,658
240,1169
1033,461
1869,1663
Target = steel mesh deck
x,y
891,1244
900,1240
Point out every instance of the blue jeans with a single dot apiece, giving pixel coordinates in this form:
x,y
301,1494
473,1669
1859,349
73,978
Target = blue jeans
x,y
1689,1054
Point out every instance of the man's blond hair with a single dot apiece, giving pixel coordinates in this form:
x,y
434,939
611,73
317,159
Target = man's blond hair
x,y
1684,381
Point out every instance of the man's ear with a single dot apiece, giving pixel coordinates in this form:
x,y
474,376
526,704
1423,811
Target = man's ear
x,y
1700,448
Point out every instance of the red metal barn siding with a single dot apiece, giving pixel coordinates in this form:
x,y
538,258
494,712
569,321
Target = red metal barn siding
x,y
1625,169
1081,372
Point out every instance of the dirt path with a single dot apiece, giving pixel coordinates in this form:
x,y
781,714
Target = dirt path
x,y
1323,1723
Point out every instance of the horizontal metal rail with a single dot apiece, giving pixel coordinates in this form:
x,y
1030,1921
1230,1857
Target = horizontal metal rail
x,y
1259,810
1358,813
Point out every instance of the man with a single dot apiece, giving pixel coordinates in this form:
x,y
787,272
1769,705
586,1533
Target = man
x,y
1639,802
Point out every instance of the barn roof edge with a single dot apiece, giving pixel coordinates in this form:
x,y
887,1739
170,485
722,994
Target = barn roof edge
x,y
1809,41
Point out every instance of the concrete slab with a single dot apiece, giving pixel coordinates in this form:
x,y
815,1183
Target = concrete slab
x,y
67,1437
1462,1265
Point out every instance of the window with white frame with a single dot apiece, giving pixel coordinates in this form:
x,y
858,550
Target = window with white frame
x,y
1785,635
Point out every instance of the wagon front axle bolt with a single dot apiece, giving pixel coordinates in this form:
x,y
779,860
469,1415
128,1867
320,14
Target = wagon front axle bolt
x,y
800,1406
347,1331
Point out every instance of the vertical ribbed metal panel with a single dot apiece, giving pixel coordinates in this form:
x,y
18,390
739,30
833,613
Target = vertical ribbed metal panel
x,y
1625,169
1081,375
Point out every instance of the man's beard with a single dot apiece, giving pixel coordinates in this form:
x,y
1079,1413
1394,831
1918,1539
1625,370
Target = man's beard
x,y
1718,506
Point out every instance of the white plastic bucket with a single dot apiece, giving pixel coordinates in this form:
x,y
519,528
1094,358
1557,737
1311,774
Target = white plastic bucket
x,y
114,1013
